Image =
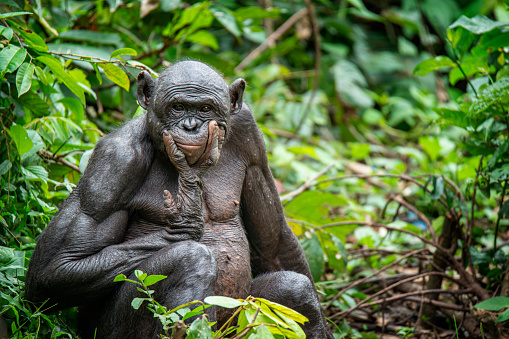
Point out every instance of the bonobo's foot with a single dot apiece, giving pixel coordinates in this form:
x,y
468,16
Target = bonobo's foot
x,y
191,271
296,291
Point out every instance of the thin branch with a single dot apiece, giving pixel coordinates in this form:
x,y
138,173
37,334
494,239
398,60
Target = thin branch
x,y
306,185
470,235
47,155
271,39
343,314
377,272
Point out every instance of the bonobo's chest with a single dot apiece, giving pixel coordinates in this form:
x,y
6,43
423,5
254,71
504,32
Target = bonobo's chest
x,y
222,186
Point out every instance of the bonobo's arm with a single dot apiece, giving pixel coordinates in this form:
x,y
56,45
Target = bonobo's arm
x,y
273,245
82,249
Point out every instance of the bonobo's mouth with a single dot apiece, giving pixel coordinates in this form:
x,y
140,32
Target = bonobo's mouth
x,y
194,145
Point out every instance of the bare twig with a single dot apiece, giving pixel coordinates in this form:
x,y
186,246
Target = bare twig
x,y
271,39
306,185
470,234
377,272
47,155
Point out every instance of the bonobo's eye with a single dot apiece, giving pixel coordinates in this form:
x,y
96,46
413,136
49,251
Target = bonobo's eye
x,y
205,108
178,107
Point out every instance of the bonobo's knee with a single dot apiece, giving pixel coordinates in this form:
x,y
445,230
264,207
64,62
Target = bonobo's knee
x,y
294,287
192,258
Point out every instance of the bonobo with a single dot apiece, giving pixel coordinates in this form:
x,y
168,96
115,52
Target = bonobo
x,y
184,191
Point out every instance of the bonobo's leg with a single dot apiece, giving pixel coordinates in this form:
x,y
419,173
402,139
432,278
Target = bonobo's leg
x,y
191,270
296,291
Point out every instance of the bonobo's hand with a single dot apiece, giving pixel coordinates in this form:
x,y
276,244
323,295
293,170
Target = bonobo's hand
x,y
184,213
208,159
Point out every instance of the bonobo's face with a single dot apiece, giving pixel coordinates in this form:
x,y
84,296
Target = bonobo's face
x,y
184,100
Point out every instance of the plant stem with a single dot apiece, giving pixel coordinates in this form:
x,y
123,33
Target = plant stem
x,y
498,217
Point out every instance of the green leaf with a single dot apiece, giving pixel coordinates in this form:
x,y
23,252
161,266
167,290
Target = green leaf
x,y
293,325
433,64
35,173
9,15
115,74
32,39
226,18
11,57
262,332
76,108
136,303
58,70
5,166
24,78
314,253
253,12
493,304
287,312
6,255
205,38
225,302
123,51
438,188
152,279
199,329
34,103
490,95
140,275
91,36
120,277
21,139
478,25
457,118
504,316
6,32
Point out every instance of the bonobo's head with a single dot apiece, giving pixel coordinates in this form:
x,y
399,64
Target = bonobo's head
x,y
183,100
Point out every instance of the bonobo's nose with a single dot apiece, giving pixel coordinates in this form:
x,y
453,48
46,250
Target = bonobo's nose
x,y
191,124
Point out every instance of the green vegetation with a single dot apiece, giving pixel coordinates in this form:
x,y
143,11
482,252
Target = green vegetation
x,y
386,125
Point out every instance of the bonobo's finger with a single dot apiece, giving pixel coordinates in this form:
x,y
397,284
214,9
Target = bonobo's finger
x,y
178,159
211,153
168,200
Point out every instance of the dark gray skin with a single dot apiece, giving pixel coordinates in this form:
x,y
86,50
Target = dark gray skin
x,y
184,191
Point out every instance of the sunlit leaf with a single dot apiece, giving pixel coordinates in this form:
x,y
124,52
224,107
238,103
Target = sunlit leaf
x,y
123,51
9,15
225,302
21,139
115,74
152,279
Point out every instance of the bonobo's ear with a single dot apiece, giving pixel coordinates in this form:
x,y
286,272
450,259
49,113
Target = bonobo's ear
x,y
236,93
146,85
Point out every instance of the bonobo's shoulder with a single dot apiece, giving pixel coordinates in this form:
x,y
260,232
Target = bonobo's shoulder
x,y
117,167
247,136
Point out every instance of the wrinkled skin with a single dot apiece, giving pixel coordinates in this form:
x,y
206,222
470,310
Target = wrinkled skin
x,y
184,191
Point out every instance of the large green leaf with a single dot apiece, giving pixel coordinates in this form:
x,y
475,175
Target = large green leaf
x,y
91,36
433,64
494,304
21,139
226,18
59,71
32,39
33,102
478,25
490,95
115,74
6,255
205,38
11,57
24,78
